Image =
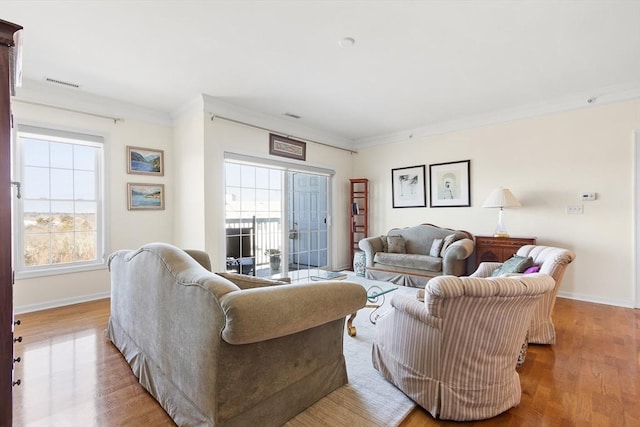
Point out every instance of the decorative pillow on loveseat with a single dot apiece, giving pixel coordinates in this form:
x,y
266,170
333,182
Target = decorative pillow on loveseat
x,y
515,264
385,246
396,245
533,269
436,246
446,242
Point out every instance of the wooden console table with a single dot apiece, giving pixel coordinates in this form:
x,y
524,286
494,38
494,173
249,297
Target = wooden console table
x,y
499,249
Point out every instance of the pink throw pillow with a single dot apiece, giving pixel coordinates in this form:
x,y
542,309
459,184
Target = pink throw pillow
x,y
532,269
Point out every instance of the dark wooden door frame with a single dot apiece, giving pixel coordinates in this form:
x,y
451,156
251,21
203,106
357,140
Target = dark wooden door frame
x,y
7,31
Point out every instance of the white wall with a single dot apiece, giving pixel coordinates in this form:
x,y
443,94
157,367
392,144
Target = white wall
x,y
546,162
189,163
223,136
128,229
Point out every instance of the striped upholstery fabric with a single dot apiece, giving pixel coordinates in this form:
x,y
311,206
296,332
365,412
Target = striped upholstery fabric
x,y
455,353
552,261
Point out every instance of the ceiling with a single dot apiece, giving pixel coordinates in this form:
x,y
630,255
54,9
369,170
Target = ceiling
x,y
415,65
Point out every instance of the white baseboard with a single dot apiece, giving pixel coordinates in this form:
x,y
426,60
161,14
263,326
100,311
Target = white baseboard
x,y
597,300
60,303
86,298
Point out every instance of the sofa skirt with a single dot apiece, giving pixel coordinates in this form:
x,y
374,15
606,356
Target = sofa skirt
x,y
402,278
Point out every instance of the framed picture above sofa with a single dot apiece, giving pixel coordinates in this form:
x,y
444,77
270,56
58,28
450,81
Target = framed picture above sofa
x,y
450,184
408,187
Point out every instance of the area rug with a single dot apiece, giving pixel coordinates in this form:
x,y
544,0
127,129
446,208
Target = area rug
x,y
368,399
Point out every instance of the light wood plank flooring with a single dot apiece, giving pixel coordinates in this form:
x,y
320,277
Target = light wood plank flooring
x,y
72,376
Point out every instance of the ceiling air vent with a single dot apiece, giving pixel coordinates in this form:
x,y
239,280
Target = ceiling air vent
x,y
61,82
295,116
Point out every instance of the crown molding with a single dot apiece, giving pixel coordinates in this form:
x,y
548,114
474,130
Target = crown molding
x,y
190,108
71,99
36,92
607,95
217,107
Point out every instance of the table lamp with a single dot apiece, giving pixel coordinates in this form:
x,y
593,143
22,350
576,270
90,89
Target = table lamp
x,y
501,198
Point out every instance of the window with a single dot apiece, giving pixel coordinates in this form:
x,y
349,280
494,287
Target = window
x,y
59,219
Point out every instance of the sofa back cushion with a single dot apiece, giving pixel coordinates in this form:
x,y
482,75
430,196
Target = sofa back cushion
x,y
419,238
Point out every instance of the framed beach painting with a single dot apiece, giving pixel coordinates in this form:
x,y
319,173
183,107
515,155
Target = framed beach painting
x,y
450,184
145,161
408,187
142,197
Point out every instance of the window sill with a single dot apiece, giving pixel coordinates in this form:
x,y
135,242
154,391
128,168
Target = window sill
x,y
52,271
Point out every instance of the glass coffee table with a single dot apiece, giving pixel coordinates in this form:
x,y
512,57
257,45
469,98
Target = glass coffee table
x,y
376,295
376,290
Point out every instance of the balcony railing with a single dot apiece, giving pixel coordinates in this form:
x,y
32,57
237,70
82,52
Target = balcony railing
x,y
260,234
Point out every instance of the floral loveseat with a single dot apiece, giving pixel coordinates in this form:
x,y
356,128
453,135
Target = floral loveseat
x,y
411,256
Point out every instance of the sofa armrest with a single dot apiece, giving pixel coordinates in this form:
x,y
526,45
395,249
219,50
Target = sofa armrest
x,y
460,249
415,308
453,259
249,282
485,269
370,246
201,256
260,314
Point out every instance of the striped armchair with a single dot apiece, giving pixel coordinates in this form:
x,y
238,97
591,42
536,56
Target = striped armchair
x,y
455,353
552,261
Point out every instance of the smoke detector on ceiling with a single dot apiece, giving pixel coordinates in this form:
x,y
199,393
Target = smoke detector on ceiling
x,y
61,82
346,42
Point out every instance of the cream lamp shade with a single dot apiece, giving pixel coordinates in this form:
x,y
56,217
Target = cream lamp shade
x,y
501,198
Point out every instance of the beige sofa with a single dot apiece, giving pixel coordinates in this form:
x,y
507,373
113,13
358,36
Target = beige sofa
x,y
455,353
412,262
217,353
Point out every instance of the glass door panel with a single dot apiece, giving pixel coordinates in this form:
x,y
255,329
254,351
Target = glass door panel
x,y
307,215
276,220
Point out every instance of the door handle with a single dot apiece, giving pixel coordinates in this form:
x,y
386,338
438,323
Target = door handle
x,y
17,184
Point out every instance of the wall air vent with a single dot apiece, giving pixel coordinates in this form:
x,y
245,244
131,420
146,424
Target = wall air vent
x,y
61,82
295,116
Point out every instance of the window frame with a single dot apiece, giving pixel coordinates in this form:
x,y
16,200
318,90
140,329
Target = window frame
x,y
55,134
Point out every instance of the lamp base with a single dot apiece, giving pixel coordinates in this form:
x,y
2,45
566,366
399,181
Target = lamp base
x,y
501,230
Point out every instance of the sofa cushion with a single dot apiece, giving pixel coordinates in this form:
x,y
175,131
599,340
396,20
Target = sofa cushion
x,y
532,269
515,264
396,245
446,242
414,261
385,246
244,281
436,246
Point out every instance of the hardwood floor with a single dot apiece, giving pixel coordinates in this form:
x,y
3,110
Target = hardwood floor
x,y
590,377
72,376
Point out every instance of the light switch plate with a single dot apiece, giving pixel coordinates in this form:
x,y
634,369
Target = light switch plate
x,y
574,209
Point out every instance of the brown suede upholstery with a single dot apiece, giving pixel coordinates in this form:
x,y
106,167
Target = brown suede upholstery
x,y
214,354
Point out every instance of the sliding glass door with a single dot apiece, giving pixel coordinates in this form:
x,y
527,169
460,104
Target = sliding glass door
x,y
307,214
276,220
